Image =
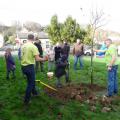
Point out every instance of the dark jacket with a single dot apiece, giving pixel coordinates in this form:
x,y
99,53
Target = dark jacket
x,y
57,52
78,49
61,65
38,45
66,50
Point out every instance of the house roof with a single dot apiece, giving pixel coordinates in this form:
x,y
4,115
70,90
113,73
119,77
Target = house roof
x,y
41,35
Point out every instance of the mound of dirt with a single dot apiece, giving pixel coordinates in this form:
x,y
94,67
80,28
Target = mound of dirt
x,y
79,92
84,93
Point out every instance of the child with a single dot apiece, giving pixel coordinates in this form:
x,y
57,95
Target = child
x,y
10,64
60,70
51,57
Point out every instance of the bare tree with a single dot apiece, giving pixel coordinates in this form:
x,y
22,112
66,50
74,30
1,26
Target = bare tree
x,y
33,26
97,20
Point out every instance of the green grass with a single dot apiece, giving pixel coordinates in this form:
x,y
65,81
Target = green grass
x,y
46,108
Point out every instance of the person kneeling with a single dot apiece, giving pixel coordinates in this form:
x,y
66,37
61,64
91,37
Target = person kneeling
x,y
61,66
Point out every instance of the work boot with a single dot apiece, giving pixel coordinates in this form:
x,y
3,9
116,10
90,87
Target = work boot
x,y
26,102
59,85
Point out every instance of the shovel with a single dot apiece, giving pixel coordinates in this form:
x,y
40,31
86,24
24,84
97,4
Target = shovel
x,y
48,86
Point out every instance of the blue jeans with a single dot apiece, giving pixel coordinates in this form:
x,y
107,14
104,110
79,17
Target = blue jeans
x,y
29,71
76,61
112,81
8,73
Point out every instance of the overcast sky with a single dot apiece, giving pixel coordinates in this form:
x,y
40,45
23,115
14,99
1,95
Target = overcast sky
x,y
41,11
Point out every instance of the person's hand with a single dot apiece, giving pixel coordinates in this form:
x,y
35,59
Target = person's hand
x,y
95,50
109,67
46,58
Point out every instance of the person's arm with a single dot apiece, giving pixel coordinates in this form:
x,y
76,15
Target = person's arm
x,y
99,50
38,58
36,55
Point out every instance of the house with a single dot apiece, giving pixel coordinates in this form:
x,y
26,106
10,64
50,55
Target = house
x,y
43,37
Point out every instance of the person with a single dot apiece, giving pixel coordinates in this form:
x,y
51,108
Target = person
x,y
51,57
19,50
10,64
57,50
38,45
29,53
112,62
60,70
78,51
19,54
103,48
65,49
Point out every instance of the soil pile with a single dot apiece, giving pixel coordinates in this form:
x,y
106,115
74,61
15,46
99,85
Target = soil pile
x,y
79,92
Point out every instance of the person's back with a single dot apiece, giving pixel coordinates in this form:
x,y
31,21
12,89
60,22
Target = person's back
x,y
28,54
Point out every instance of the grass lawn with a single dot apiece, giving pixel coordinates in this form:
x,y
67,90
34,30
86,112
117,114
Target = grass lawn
x,y
44,107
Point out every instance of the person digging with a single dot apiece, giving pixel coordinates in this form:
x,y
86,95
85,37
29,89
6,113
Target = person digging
x,y
60,70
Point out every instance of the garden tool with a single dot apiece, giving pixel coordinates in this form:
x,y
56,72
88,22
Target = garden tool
x,y
48,86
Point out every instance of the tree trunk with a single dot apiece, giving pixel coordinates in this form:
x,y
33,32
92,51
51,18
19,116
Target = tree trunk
x,y
91,69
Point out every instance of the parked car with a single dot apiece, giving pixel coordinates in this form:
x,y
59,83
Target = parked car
x,y
88,49
88,52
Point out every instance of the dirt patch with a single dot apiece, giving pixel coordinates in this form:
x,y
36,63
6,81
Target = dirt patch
x,y
79,92
85,93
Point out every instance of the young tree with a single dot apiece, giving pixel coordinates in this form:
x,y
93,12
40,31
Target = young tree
x,y
54,29
87,39
69,30
72,30
80,33
97,20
